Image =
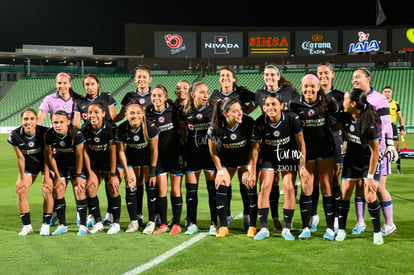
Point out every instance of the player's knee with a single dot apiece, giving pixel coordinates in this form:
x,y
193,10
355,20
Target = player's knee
x,y
21,189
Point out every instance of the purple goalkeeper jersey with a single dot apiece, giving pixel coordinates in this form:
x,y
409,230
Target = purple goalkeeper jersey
x,y
54,102
382,107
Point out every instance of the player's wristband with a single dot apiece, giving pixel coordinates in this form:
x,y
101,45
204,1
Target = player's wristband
x,y
220,172
370,176
78,175
402,128
112,174
152,172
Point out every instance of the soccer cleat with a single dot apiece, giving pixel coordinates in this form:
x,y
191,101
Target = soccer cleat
x,y
246,222
109,219
149,229
358,229
61,229
83,230
191,229
213,230
26,230
287,235
98,227
45,230
314,223
132,227
329,235
305,234
341,235
229,219
53,219
251,232
277,224
262,234
90,221
378,238
222,232
388,230
176,229
162,229
140,219
114,229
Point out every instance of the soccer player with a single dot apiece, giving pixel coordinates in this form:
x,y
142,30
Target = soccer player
x,y
80,111
181,92
64,156
275,83
142,94
361,79
28,144
326,74
229,143
277,145
100,159
395,114
63,99
138,153
194,123
163,113
361,162
314,110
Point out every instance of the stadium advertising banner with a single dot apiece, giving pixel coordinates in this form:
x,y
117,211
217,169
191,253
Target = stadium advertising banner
x,y
269,44
403,39
221,44
316,42
175,44
363,41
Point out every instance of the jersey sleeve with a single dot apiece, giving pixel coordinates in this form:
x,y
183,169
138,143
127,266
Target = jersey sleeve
x,y
78,137
212,133
12,139
45,105
258,129
247,96
153,130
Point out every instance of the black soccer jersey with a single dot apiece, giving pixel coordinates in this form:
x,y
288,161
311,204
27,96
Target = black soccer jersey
x,y
357,150
142,99
167,122
64,147
137,150
286,92
316,127
81,105
233,145
31,147
98,144
278,142
242,95
338,95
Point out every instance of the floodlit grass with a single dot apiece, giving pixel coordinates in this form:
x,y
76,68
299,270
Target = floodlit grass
x,y
235,254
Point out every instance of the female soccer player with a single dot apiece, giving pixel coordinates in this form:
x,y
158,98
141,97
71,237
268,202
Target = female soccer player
x,y
361,79
100,159
142,94
28,144
163,113
229,142
194,123
361,162
64,155
80,111
278,145
63,99
138,153
314,111
275,83
181,92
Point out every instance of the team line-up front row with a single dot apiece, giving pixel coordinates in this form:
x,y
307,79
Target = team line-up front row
x,y
296,135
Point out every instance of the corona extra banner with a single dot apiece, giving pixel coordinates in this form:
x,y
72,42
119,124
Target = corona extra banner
x,y
316,42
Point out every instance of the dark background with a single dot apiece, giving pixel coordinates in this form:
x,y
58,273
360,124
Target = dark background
x,y
100,24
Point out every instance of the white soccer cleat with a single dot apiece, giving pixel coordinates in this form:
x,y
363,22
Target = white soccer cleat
x,y
114,229
45,230
26,230
98,227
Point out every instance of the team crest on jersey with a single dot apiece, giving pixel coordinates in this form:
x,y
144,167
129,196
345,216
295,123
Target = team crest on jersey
x,y
96,139
199,116
31,144
233,136
311,112
65,107
84,116
136,138
276,133
191,127
161,119
352,128
268,142
142,101
62,143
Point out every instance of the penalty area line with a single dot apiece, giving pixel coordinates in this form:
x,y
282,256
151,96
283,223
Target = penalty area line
x,y
161,258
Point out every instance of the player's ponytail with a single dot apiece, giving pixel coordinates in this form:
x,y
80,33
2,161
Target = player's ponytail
x,y
222,105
